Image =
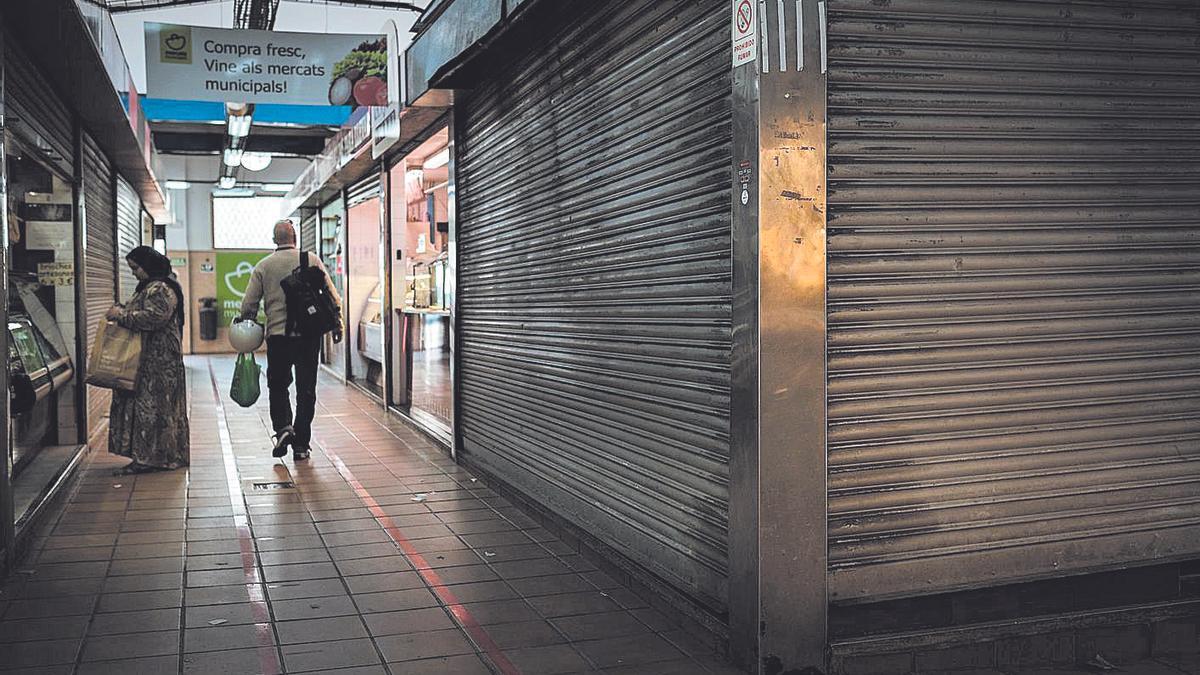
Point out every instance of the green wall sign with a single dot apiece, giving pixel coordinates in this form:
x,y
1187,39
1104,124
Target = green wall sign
x,y
233,276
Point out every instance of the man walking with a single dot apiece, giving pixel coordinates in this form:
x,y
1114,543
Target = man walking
x,y
287,349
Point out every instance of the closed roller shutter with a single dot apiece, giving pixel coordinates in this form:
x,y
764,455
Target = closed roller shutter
x,y
1014,275
594,288
129,235
367,188
99,268
33,105
308,234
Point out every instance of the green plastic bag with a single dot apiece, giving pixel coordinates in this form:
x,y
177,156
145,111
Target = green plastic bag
x,y
245,389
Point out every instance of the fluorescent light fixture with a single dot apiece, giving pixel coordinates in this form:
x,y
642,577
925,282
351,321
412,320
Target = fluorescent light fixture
x,y
256,161
239,125
236,192
233,156
177,185
277,187
226,182
438,159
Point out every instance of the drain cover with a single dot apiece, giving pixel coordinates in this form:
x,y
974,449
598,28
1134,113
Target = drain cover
x,y
277,485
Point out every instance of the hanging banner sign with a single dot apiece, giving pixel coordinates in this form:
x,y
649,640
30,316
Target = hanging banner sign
x,y
233,276
257,66
745,33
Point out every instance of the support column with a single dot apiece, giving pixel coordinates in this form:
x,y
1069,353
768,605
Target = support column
x,y
6,495
452,282
778,510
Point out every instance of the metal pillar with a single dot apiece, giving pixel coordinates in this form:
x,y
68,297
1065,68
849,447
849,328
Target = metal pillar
x,y
7,518
452,280
385,279
778,539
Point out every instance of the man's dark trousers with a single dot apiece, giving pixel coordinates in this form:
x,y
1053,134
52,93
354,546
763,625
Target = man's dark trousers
x,y
283,354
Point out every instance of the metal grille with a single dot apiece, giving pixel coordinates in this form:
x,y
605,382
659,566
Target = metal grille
x,y
367,188
308,234
1014,290
129,235
33,105
100,275
594,281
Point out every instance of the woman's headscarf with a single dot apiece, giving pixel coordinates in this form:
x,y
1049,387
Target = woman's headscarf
x,y
158,268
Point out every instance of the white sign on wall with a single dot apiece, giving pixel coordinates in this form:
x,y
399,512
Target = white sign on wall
x,y
745,32
257,66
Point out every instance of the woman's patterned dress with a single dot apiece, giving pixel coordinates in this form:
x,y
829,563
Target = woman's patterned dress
x,y
150,425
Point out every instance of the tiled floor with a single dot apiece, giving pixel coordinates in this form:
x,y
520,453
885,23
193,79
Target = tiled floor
x,y
385,557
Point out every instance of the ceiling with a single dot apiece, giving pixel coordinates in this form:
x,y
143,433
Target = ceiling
x,y
143,5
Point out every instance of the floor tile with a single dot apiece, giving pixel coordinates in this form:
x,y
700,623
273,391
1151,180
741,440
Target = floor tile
x,y
524,634
318,588
51,628
318,630
132,645
392,581
40,653
155,665
431,644
313,608
390,601
466,664
142,621
408,621
224,637
599,626
232,662
628,651
550,660
316,656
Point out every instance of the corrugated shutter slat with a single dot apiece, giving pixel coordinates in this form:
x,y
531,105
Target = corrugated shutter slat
x,y
129,234
1014,274
99,267
594,288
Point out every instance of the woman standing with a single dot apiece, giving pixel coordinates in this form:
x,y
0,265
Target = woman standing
x,y
150,425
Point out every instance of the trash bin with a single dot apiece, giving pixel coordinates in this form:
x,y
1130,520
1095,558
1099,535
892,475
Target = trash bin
x,y
208,318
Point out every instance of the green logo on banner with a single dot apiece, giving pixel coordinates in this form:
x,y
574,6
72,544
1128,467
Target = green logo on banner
x,y
233,276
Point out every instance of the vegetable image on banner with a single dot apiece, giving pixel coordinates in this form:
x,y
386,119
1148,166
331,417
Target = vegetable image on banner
x,y
233,276
256,66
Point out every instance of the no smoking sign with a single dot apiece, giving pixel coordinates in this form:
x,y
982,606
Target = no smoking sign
x,y
745,34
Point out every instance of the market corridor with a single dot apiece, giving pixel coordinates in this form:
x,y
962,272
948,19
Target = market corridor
x,y
378,555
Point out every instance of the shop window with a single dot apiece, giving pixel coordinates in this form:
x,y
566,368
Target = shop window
x,y
245,222
41,321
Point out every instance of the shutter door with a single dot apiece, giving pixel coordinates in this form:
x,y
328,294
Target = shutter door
x,y
33,105
367,188
308,234
595,279
129,235
99,267
1014,275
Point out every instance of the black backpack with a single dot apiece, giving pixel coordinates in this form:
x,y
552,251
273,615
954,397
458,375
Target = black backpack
x,y
310,307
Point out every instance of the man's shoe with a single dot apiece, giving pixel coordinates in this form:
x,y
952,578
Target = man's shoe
x,y
283,438
300,454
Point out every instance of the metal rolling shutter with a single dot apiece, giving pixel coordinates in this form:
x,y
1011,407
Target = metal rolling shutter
x,y
308,234
32,104
99,269
594,281
129,235
367,188
1014,290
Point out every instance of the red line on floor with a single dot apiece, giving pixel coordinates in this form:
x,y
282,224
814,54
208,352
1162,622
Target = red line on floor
x,y
461,614
268,657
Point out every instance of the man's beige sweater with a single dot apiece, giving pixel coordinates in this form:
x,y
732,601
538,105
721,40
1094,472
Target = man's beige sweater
x,y
264,287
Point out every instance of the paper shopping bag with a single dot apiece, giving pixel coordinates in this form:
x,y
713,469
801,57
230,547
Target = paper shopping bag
x,y
115,357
